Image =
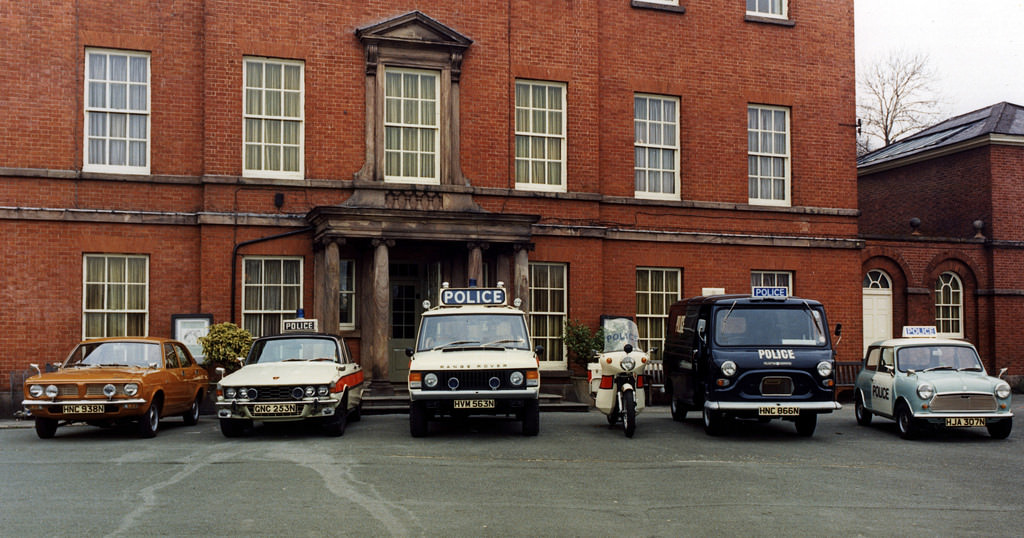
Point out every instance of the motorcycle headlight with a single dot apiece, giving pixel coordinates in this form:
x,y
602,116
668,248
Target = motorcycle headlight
x,y
36,391
131,389
430,380
824,368
229,392
628,363
51,391
516,378
729,368
1003,391
925,391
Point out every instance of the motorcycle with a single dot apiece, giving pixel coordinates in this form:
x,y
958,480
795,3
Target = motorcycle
x,y
617,378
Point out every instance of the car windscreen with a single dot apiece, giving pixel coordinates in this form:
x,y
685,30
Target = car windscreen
x,y
769,325
141,354
926,358
494,331
294,349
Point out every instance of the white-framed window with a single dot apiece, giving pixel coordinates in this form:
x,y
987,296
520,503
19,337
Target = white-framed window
x,y
272,126
656,146
656,290
768,155
117,110
663,2
412,117
768,8
115,301
782,279
949,306
272,291
549,310
347,305
540,135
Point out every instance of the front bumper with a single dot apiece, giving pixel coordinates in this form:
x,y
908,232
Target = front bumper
x,y
305,409
964,414
752,407
424,395
111,408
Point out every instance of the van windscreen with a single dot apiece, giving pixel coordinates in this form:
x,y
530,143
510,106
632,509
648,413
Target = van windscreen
x,y
769,326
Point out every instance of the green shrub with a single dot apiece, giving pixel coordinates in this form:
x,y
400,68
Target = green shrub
x,y
581,343
224,344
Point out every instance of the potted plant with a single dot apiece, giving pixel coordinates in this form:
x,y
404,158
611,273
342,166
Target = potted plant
x,y
223,346
581,345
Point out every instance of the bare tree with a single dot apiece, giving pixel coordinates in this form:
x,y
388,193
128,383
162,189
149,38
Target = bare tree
x,y
895,97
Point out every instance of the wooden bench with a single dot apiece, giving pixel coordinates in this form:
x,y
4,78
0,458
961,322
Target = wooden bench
x,y
846,376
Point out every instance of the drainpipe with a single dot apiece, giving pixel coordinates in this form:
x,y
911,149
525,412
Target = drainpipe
x,y
234,258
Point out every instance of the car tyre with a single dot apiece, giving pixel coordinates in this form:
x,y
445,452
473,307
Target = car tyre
x,y
191,417
860,412
805,424
1001,429
629,413
714,422
233,427
356,414
678,410
46,428
531,418
905,422
417,419
335,425
149,422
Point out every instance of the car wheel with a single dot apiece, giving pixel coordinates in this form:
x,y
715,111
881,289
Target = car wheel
x,y
232,427
629,414
191,417
46,428
356,414
678,410
805,424
905,422
149,422
335,426
860,412
417,419
714,422
1001,429
531,418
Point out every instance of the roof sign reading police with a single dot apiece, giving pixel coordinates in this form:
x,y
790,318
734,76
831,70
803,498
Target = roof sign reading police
x,y
922,331
299,325
472,296
775,292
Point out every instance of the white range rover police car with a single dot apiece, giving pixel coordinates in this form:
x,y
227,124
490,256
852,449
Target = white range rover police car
x,y
921,380
472,357
294,376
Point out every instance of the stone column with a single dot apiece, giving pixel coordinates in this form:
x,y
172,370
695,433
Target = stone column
x,y
521,275
475,265
331,289
376,346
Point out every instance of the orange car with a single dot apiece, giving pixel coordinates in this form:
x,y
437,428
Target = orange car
x,y
109,380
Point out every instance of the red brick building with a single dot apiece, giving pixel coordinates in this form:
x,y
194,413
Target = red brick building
x,y
244,160
942,219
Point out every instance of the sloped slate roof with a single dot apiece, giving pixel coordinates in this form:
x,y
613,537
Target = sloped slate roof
x,y
1001,118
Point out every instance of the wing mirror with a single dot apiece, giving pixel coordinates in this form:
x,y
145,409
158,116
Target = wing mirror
x,y
408,352
702,325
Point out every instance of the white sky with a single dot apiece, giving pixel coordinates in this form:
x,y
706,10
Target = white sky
x,y
976,47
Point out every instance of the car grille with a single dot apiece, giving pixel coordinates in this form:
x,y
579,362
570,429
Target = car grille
x,y
96,389
964,402
274,393
474,380
777,386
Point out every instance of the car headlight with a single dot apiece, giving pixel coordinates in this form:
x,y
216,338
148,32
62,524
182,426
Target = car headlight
x,y
51,391
925,391
322,390
109,390
430,380
230,392
36,391
310,391
824,368
242,393
131,389
516,378
729,368
628,363
1003,390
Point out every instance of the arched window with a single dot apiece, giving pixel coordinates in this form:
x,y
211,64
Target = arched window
x,y
876,280
949,305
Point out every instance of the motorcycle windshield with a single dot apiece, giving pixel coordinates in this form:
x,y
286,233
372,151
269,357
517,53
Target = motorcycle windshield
x,y
618,332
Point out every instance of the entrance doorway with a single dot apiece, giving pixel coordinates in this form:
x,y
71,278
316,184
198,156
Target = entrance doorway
x,y
877,307
411,283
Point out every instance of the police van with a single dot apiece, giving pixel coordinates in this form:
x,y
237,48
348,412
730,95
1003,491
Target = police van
x,y
762,356
473,356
